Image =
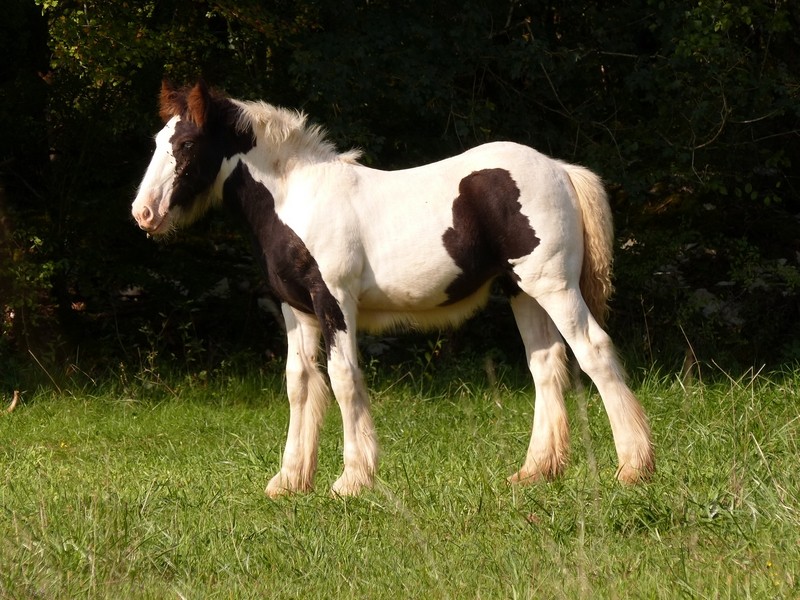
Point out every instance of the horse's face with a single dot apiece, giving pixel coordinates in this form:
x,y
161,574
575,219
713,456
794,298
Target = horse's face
x,y
177,185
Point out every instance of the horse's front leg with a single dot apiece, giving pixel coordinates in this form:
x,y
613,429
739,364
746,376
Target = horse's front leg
x,y
308,397
360,442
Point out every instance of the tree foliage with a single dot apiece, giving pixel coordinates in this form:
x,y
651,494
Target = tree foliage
x,y
689,109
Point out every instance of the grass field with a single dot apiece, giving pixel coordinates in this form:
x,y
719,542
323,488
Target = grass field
x,y
155,490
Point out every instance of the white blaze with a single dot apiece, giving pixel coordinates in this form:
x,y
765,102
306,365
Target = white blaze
x,y
151,206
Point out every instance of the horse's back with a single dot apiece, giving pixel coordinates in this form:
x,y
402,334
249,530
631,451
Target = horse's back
x,y
398,211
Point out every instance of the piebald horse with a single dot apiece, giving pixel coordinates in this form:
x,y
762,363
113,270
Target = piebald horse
x,y
346,247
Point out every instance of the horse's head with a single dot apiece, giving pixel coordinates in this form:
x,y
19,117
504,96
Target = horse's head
x,y
199,133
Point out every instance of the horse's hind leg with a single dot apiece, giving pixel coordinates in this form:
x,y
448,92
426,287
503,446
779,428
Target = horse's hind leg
x,y
596,355
546,355
308,398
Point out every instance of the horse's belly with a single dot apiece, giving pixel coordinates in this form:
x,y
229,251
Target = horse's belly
x,y
374,316
400,299
410,284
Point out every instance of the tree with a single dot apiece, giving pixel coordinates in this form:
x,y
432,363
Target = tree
x,y
687,108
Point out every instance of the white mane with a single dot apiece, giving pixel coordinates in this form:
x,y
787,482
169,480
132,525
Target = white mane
x,y
289,134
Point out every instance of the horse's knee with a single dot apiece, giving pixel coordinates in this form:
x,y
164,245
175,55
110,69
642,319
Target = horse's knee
x,y
296,380
347,382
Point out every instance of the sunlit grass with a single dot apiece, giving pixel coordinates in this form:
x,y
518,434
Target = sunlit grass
x,y
155,490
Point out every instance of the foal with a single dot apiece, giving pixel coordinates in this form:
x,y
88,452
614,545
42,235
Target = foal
x,y
345,247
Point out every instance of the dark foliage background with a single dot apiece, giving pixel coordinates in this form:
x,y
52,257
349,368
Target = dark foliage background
x,y
690,110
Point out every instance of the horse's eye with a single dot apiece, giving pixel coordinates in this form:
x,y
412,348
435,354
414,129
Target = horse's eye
x,y
188,145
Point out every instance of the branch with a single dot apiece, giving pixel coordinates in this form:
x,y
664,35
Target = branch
x,y
723,113
14,402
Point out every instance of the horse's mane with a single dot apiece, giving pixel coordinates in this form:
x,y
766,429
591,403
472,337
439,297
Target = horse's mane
x,y
289,133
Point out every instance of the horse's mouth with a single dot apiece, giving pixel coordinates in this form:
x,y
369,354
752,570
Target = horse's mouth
x,y
162,227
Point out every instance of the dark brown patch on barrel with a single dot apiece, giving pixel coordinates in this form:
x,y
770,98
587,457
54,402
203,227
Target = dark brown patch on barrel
x,y
488,230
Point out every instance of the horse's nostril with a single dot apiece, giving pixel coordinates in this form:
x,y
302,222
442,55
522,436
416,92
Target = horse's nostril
x,y
145,216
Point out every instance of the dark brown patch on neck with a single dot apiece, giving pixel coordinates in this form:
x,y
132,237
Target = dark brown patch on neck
x,y
292,272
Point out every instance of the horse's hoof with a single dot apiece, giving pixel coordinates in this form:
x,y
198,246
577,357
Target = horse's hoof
x,y
524,477
281,485
348,486
630,475
276,489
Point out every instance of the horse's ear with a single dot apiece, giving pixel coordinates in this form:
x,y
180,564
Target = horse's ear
x,y
170,102
198,102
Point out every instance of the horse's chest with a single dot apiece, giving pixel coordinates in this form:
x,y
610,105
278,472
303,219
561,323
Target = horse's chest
x,y
292,271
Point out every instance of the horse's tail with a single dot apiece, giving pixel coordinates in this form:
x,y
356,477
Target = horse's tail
x,y
598,240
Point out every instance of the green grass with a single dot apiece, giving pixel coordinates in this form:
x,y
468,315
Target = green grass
x,y
152,491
